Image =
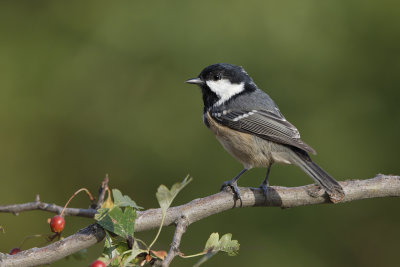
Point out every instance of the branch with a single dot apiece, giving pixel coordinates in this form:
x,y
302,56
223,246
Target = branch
x,y
55,251
181,227
39,205
380,186
102,192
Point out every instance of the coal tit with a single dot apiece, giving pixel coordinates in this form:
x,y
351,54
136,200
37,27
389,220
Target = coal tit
x,y
250,126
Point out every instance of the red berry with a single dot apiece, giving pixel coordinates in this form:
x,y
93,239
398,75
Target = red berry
x,y
98,263
14,251
57,224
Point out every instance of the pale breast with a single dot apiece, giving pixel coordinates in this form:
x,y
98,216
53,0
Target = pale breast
x,y
250,150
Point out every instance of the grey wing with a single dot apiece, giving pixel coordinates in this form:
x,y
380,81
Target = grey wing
x,y
265,124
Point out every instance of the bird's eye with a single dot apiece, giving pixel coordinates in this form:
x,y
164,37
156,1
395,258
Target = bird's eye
x,y
217,77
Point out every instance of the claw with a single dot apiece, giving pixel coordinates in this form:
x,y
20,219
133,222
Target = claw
x,y
233,186
264,188
264,185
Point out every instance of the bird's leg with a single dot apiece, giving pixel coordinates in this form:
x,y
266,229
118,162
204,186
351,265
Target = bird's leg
x,y
233,185
264,185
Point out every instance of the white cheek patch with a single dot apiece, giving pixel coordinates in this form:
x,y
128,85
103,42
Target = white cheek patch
x,y
224,89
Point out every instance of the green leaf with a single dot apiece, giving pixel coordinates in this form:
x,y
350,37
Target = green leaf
x,y
228,245
136,250
118,217
214,245
114,249
108,246
114,246
225,244
123,200
109,249
101,213
212,242
166,196
119,222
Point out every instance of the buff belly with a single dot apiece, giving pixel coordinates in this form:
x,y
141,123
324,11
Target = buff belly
x,y
249,150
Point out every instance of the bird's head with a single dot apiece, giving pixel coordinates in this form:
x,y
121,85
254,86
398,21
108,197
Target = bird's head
x,y
221,82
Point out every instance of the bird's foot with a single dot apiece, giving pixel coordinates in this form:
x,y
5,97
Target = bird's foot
x,y
232,184
264,188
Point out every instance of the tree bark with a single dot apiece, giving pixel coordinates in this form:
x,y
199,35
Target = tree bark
x,y
380,186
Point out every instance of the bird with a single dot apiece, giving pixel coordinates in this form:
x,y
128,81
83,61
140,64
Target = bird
x,y
250,126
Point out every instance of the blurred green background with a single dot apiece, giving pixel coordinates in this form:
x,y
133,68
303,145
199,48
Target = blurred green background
x,y
96,87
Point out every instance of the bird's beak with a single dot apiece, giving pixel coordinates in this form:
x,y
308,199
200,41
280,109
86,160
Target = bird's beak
x,y
195,81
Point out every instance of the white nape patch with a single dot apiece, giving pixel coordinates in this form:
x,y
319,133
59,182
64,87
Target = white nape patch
x,y
243,71
224,89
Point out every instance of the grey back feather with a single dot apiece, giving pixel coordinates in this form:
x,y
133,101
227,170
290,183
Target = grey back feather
x,y
257,114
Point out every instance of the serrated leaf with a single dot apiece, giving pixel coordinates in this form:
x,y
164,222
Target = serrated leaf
x,y
228,245
214,245
166,196
123,200
117,221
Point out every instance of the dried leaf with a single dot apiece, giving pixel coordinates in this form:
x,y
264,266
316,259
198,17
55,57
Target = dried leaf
x,y
108,203
161,254
148,257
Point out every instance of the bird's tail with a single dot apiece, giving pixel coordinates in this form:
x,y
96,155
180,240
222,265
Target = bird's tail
x,y
323,179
